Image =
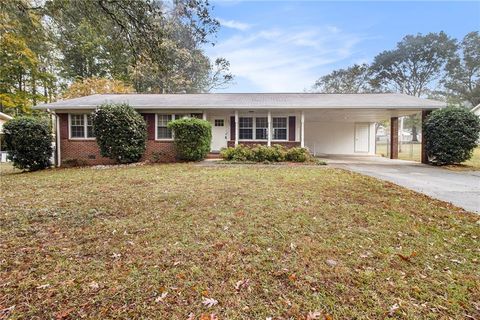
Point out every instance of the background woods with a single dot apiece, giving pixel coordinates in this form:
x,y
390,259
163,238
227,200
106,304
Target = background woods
x,y
104,46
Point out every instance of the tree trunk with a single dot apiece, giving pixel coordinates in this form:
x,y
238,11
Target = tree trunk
x,y
414,134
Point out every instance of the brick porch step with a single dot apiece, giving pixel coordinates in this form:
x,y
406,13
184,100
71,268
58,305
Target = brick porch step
x,y
213,155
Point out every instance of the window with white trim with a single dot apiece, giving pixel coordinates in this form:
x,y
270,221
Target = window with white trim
x,y
261,128
245,131
81,126
163,132
279,125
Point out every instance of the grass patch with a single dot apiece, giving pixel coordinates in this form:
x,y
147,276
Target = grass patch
x,y
269,241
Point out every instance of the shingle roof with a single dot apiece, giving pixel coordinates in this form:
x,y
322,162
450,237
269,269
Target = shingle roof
x,y
250,101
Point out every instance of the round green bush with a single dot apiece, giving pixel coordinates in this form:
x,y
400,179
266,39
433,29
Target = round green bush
x,y
451,135
28,141
120,131
192,138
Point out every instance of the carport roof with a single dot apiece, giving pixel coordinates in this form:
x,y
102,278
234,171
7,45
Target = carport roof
x,y
250,101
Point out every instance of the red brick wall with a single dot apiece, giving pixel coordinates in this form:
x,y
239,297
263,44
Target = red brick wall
x,y
288,144
86,152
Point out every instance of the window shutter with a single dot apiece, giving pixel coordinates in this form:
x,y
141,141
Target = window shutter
x,y
291,128
232,128
150,120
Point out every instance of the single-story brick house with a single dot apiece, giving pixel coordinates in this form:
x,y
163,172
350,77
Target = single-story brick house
x,y
324,123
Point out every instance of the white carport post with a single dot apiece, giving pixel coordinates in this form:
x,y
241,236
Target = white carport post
x,y
204,115
236,128
302,130
269,132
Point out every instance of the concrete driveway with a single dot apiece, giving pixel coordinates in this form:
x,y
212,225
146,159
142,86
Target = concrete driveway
x,y
461,188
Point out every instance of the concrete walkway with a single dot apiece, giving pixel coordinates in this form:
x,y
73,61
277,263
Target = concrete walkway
x,y
461,188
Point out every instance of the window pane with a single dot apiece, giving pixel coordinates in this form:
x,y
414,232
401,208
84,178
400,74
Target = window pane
x,y
279,122
219,123
279,134
246,122
77,129
245,134
261,128
76,119
162,131
246,128
279,128
90,133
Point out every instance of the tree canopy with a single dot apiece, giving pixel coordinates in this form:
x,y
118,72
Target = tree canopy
x,y
150,45
433,65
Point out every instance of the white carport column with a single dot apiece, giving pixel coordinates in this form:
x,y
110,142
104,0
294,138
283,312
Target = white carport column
x,y
302,130
269,130
204,116
236,128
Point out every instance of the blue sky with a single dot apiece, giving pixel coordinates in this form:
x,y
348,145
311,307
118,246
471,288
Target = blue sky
x,y
283,46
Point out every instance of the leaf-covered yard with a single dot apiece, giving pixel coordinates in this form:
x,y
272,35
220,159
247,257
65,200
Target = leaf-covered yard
x,y
235,242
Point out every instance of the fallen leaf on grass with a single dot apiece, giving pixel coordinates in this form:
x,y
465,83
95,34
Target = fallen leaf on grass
x,y
43,286
313,315
94,285
392,309
209,302
242,284
161,297
407,258
292,277
331,262
211,316
63,314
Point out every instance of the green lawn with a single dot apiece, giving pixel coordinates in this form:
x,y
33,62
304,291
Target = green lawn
x,y
258,241
413,152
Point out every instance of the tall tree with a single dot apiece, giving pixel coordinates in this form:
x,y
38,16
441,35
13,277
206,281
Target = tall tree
x,y
415,63
355,79
414,66
463,72
26,72
89,86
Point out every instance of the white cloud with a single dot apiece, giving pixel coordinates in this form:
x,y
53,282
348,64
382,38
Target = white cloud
x,y
286,59
232,24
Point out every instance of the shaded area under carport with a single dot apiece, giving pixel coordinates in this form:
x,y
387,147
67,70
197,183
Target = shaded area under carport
x,y
461,188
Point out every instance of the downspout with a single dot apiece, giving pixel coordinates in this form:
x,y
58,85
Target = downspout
x,y
57,143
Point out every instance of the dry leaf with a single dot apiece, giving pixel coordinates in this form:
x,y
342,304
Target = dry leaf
x,y
331,262
392,309
209,302
63,314
161,297
242,284
407,258
191,316
313,315
292,277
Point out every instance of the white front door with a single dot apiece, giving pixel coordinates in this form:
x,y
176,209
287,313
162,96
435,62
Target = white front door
x,y
219,133
362,134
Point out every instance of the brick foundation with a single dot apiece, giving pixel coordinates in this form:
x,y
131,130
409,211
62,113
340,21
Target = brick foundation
x,y
86,151
287,144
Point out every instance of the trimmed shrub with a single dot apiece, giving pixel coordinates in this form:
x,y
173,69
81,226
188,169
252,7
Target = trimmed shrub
x,y
262,153
28,141
192,138
298,155
451,135
120,131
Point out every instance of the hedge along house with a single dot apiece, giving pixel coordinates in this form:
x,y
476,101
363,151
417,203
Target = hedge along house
x,y
339,124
